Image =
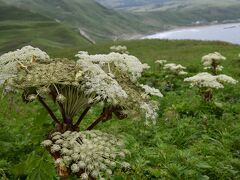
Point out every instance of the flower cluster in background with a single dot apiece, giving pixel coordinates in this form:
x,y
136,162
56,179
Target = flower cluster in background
x,y
213,62
119,49
176,69
206,80
160,62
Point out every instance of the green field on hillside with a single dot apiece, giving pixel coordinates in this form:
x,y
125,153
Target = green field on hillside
x,y
191,140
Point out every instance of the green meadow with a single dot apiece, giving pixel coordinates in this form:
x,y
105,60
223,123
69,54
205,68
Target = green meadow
x,y
191,139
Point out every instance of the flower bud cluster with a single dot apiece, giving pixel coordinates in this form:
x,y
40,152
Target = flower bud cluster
x,y
88,154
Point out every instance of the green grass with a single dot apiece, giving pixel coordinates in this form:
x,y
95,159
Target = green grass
x,y
191,140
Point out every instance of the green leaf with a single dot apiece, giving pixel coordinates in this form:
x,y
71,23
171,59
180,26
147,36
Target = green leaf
x,y
203,165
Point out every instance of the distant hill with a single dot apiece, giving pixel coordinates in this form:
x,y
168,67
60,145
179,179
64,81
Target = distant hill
x,y
20,27
97,21
168,13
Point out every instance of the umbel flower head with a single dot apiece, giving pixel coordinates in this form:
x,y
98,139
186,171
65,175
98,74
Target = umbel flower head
x,y
176,69
119,49
206,80
87,154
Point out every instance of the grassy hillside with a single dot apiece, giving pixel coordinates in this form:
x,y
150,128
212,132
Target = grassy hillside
x,y
191,140
20,27
97,21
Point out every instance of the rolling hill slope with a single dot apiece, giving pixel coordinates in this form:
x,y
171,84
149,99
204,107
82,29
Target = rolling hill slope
x,y
20,27
95,20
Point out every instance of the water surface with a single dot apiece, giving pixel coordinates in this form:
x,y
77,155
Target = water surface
x,y
223,32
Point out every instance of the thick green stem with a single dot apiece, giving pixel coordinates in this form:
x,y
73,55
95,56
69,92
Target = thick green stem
x,y
50,112
82,116
106,114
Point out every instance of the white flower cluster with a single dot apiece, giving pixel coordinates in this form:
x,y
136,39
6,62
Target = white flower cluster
x,y
96,81
126,70
213,60
119,49
151,91
175,68
206,80
10,61
88,154
161,62
116,63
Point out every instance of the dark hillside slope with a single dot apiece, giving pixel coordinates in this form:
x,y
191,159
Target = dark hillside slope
x,y
20,27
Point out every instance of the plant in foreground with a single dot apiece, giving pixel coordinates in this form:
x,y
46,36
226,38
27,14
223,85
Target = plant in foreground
x,y
76,87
